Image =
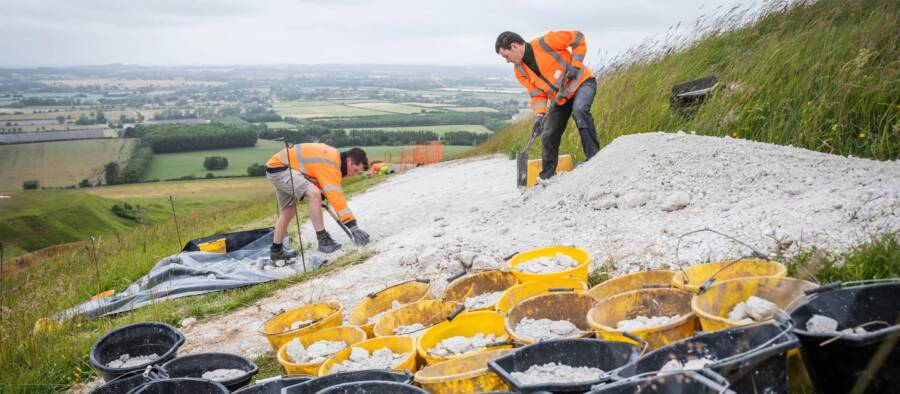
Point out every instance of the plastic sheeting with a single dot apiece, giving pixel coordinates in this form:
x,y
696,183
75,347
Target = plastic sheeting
x,y
192,272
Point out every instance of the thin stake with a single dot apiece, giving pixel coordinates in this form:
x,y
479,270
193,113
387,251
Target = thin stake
x,y
96,264
287,149
175,217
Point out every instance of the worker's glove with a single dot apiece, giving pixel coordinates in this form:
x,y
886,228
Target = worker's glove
x,y
571,71
538,125
360,237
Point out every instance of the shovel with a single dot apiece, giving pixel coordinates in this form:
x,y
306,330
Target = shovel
x,y
522,156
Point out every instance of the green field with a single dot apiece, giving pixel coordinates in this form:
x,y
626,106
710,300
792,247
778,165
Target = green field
x,y
176,165
280,125
60,163
440,129
390,107
320,109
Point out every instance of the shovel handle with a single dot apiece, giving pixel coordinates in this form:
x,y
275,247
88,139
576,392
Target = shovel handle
x,y
455,277
456,313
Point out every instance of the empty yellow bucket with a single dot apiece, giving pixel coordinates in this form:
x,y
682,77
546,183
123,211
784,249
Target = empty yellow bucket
x,y
564,164
713,306
606,313
692,277
580,255
277,329
350,335
467,374
425,312
467,325
479,283
517,293
375,303
570,305
396,344
637,280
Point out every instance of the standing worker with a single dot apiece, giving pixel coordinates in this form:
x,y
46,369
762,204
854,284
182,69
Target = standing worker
x,y
315,169
550,71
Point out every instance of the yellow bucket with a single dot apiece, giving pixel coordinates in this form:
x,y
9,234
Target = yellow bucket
x,y
517,293
396,344
467,325
692,277
467,374
647,302
580,255
563,164
375,303
350,335
569,305
426,313
637,280
713,306
479,283
277,329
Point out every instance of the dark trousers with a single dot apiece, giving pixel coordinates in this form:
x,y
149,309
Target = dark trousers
x,y
579,107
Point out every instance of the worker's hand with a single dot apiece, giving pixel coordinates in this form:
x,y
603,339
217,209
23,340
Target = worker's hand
x,y
360,237
538,125
571,71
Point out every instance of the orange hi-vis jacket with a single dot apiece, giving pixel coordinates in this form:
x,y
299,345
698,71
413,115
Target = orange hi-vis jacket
x,y
321,164
552,55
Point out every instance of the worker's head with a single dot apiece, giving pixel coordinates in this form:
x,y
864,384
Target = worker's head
x,y
511,46
356,161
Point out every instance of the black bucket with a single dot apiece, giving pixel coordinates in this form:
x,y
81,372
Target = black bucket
x,y
373,387
181,386
594,353
139,339
125,383
194,365
681,382
321,383
756,356
836,367
273,385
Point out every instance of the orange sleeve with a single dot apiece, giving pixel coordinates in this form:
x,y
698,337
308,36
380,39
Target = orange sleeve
x,y
562,40
330,184
538,97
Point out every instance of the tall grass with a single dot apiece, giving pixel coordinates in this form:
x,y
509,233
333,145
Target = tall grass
x,y
821,75
52,361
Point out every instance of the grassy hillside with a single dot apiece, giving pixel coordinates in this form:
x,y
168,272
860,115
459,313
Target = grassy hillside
x,y
175,165
61,163
823,76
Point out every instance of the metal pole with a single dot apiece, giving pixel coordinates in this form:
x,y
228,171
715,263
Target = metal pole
x,y
287,150
175,217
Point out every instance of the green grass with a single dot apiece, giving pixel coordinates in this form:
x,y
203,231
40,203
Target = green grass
x,y
304,110
390,107
823,76
439,129
52,361
879,258
393,153
176,165
60,163
280,125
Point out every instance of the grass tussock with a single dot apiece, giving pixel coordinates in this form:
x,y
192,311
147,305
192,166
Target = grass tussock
x,y
877,259
822,75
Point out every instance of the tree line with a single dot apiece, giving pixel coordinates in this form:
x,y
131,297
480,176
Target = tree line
x,y
489,119
185,138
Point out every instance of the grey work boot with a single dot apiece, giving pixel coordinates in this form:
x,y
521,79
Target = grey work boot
x,y
278,252
326,244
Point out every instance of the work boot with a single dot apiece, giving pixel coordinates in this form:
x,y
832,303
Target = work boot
x,y
326,244
278,252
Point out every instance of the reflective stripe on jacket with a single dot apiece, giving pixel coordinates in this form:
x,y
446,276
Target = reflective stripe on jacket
x,y
321,164
551,54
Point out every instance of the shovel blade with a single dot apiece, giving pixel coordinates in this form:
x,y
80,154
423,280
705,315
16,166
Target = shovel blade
x,y
521,168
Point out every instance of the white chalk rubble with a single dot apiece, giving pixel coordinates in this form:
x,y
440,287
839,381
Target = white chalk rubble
x,y
297,324
543,265
825,325
557,373
544,329
360,359
675,365
223,374
482,300
455,346
755,309
128,361
316,353
642,322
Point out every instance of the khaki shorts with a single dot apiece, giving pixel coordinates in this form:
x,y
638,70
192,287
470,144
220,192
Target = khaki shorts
x,y
282,182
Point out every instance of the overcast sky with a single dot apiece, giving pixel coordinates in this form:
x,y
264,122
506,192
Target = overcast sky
x,y
231,32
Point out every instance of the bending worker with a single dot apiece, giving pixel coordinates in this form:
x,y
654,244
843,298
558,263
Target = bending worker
x,y
550,71
316,169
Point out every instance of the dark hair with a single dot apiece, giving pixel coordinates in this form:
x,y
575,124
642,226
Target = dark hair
x,y
506,39
358,156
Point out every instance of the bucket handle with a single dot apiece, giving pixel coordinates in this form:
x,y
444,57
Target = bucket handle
x,y
821,289
839,284
510,256
560,289
154,372
456,313
456,276
783,321
645,344
409,375
754,253
423,280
